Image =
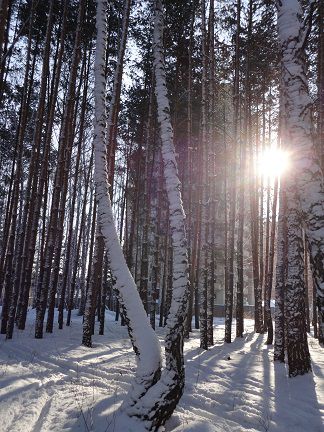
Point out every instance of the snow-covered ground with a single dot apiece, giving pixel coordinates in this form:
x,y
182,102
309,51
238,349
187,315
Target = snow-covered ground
x,y
55,384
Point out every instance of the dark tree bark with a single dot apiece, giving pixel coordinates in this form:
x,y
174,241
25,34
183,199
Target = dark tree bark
x,y
61,177
297,346
281,276
41,192
269,274
229,288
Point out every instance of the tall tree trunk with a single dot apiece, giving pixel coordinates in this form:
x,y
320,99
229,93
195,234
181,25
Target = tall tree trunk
x,y
59,195
157,240
241,205
213,185
229,288
111,136
269,274
204,228
281,275
140,331
93,290
161,400
76,260
306,265
31,188
189,178
308,177
10,249
144,270
34,214
297,346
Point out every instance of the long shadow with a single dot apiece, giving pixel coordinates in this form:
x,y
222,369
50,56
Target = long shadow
x,y
298,397
276,398
99,416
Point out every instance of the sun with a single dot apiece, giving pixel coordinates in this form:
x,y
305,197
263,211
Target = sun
x,y
273,162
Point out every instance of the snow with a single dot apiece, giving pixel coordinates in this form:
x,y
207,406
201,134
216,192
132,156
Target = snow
x,y
56,384
139,328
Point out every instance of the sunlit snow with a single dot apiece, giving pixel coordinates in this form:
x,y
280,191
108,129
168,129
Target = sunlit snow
x,y
56,384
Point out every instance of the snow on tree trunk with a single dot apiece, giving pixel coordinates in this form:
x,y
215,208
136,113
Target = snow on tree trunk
x,y
161,400
151,400
297,346
281,269
144,340
308,176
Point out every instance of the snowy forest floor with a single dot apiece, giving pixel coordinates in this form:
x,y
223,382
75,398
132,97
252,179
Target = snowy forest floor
x,y
56,384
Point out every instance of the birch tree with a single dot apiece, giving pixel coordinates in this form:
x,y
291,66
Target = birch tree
x,y
139,329
151,399
293,34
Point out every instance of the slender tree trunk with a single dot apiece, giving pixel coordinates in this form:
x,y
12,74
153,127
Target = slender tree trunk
x,y
111,135
281,276
229,288
90,262
241,205
10,250
213,185
204,232
268,285
315,317
24,234
34,214
59,194
156,277
105,286
189,178
76,260
140,331
93,290
144,270
306,265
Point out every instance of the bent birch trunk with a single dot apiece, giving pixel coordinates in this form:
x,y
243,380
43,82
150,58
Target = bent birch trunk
x,y
143,338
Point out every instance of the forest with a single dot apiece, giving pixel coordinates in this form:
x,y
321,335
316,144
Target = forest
x,y
162,215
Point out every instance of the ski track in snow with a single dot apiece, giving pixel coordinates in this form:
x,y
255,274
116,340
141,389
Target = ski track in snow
x,y
56,384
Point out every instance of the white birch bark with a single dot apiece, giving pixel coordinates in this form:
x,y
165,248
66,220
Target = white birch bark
x,y
157,405
151,400
304,163
176,211
144,340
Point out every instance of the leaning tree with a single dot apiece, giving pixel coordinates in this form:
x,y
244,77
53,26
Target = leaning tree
x,y
154,393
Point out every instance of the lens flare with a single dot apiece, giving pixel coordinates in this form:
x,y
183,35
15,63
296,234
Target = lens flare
x,y
273,162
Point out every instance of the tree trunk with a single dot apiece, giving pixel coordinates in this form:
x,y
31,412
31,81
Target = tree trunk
x,y
297,346
229,288
304,164
281,275
140,331
34,214
269,274
55,228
